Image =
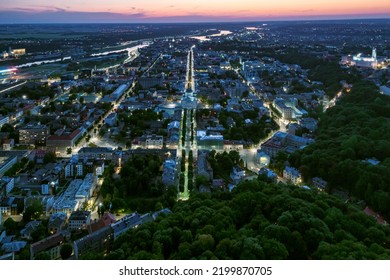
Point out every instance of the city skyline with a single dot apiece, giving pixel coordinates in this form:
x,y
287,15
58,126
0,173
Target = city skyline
x,y
121,11
252,140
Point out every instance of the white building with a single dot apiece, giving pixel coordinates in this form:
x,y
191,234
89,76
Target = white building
x,y
79,169
69,170
74,169
119,91
79,220
285,111
8,144
67,202
100,168
9,183
319,183
86,188
5,210
293,175
149,142
237,174
154,142
360,60
263,158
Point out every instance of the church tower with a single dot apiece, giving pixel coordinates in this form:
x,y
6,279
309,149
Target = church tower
x,y
374,58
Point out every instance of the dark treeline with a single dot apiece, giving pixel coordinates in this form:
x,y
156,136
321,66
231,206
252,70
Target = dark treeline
x,y
257,221
356,129
253,132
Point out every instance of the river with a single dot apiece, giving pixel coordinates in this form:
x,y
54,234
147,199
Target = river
x,y
207,38
42,62
129,51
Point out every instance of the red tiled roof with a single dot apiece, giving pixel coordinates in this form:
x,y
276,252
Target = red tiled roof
x,y
65,137
106,220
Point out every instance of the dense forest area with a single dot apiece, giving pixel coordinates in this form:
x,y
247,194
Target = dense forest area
x,y
253,132
33,92
355,130
139,186
257,221
266,221
139,120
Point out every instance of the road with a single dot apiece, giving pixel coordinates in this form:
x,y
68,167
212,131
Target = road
x,y
105,141
13,87
188,146
249,156
152,65
97,140
333,101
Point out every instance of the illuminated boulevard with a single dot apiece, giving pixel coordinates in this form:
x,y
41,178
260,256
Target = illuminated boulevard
x,y
189,103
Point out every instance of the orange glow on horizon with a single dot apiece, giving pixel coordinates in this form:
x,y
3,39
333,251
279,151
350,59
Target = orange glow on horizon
x,y
149,9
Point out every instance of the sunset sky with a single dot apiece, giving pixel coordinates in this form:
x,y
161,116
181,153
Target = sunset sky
x,y
78,11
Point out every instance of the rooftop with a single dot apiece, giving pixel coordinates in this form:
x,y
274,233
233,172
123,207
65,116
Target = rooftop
x,y
97,150
105,221
79,215
47,243
64,136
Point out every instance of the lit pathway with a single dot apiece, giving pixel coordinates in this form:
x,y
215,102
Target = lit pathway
x,y
190,119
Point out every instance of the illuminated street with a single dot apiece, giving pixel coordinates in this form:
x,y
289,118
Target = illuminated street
x,y
188,98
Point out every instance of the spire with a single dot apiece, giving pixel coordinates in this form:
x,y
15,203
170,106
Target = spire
x,y
375,60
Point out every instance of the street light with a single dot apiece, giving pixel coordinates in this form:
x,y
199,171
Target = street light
x,y
100,209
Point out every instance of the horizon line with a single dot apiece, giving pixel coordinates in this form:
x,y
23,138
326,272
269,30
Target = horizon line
x,y
294,19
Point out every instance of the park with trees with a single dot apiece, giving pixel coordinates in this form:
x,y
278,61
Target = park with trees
x,y
350,133
258,220
138,186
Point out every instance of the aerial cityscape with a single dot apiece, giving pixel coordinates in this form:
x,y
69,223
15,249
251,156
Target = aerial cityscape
x,y
194,131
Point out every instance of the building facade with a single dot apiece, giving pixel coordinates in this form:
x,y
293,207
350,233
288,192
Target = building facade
x,y
292,175
79,220
34,134
51,245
